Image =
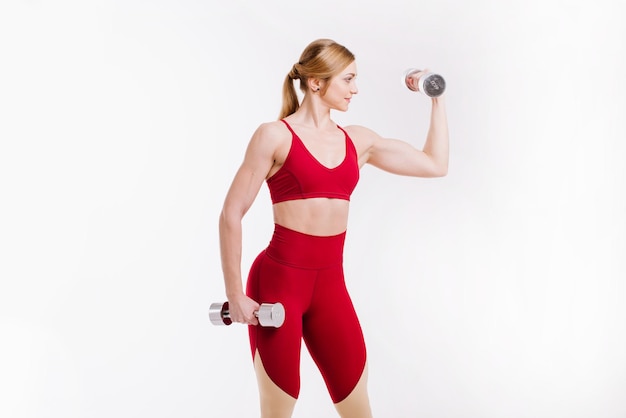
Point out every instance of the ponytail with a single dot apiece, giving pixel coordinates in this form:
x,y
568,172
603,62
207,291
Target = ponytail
x,y
290,98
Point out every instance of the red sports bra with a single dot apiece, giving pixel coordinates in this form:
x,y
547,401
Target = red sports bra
x,y
302,176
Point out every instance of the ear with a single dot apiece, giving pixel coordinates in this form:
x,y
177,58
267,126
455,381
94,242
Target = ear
x,y
315,84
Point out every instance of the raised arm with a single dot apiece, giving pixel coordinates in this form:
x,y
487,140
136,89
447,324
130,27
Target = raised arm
x,y
257,163
399,157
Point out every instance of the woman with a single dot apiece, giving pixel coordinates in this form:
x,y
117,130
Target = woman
x,y
311,166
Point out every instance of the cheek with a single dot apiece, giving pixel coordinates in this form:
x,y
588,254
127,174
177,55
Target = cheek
x,y
331,95
336,93
341,91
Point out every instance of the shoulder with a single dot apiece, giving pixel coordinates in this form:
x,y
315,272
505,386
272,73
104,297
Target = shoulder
x,y
272,131
270,140
270,136
361,133
363,138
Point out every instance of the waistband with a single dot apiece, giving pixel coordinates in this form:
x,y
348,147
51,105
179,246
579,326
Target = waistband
x,y
301,250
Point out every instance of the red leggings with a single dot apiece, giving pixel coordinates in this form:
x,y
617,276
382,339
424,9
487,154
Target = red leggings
x,y
305,273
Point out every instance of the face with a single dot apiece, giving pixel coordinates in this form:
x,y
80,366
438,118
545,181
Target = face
x,y
341,88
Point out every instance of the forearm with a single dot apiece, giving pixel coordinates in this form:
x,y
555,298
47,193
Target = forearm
x,y
230,248
437,141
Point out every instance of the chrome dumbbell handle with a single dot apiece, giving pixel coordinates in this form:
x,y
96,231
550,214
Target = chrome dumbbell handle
x,y
431,84
269,314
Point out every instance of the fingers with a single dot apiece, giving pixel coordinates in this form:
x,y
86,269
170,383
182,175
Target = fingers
x,y
252,321
420,73
249,321
243,311
248,318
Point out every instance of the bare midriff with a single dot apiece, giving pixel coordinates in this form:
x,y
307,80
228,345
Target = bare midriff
x,y
315,216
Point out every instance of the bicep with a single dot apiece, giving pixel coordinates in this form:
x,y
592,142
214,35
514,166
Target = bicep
x,y
399,157
392,155
249,178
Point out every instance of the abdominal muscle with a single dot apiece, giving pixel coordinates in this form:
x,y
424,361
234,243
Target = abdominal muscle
x,y
315,216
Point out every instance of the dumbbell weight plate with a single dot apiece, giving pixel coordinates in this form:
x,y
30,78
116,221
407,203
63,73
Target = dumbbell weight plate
x,y
271,314
218,314
408,81
433,85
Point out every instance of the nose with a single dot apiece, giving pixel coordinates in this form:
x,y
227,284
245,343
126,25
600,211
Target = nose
x,y
354,89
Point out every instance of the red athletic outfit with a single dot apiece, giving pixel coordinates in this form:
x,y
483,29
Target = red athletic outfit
x,y
305,273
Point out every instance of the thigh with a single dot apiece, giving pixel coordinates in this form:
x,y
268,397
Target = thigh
x,y
275,402
333,335
279,348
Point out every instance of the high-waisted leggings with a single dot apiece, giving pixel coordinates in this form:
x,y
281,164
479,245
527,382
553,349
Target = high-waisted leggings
x,y
305,273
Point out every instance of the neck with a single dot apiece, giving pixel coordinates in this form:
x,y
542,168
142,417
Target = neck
x,y
312,112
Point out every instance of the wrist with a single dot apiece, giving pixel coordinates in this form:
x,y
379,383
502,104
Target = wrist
x,y
438,100
234,294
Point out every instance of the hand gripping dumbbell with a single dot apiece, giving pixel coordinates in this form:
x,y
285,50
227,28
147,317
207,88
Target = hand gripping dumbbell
x,y
432,85
269,314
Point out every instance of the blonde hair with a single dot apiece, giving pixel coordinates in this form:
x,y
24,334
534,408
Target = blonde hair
x,y
321,59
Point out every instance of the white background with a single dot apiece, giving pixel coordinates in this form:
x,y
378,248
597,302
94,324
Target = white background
x,y
497,291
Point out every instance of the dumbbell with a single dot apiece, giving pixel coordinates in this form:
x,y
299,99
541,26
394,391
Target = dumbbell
x,y
269,314
431,84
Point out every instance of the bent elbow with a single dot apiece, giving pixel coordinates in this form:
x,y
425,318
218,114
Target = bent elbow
x,y
439,171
